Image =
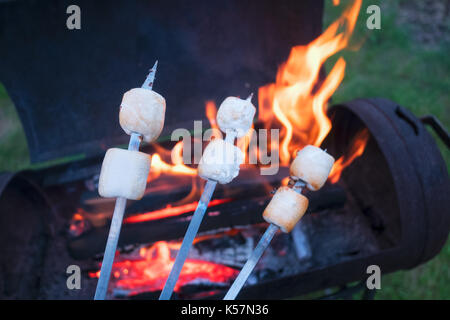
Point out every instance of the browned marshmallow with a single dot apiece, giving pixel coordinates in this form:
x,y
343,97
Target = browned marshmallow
x,y
285,209
142,111
124,174
312,165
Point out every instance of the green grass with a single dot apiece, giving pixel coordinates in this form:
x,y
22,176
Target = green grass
x,y
388,64
13,146
392,65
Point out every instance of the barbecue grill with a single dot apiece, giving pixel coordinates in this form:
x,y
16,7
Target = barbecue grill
x,y
389,207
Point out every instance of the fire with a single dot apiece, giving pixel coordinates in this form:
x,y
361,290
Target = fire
x,y
356,149
297,99
149,271
170,211
297,102
211,112
176,168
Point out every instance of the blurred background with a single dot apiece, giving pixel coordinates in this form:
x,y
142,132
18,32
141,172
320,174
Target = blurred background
x,y
407,61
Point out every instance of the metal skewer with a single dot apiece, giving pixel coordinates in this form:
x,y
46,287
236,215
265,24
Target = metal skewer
x,y
188,240
148,83
119,210
192,229
256,254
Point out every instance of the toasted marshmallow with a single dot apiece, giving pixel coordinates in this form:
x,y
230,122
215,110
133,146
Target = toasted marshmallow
x,y
142,111
220,161
124,174
236,116
312,165
285,209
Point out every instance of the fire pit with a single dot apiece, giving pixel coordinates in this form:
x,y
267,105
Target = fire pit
x,y
369,216
385,203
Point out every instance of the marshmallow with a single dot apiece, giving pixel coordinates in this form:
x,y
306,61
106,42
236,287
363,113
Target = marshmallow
x,y
312,165
142,111
285,209
236,115
220,161
124,174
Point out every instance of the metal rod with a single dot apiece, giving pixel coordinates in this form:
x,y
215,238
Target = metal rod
x,y
188,240
230,137
251,262
110,251
119,210
193,228
135,141
148,83
258,251
113,236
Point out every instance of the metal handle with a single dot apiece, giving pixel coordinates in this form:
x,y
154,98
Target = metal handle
x,y
437,126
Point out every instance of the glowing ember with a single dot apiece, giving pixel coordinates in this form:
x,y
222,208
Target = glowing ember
x,y
149,271
170,211
77,224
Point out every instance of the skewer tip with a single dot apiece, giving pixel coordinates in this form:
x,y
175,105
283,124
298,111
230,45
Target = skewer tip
x,y
153,69
148,83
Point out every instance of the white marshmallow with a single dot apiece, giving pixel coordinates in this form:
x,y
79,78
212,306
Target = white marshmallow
x,y
285,209
124,174
142,111
312,165
236,115
220,161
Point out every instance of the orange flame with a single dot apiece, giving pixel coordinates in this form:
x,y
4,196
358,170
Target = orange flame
x,y
211,112
357,148
178,167
297,99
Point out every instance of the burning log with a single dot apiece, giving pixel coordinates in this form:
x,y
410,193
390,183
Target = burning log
x,y
220,163
288,205
124,172
235,208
